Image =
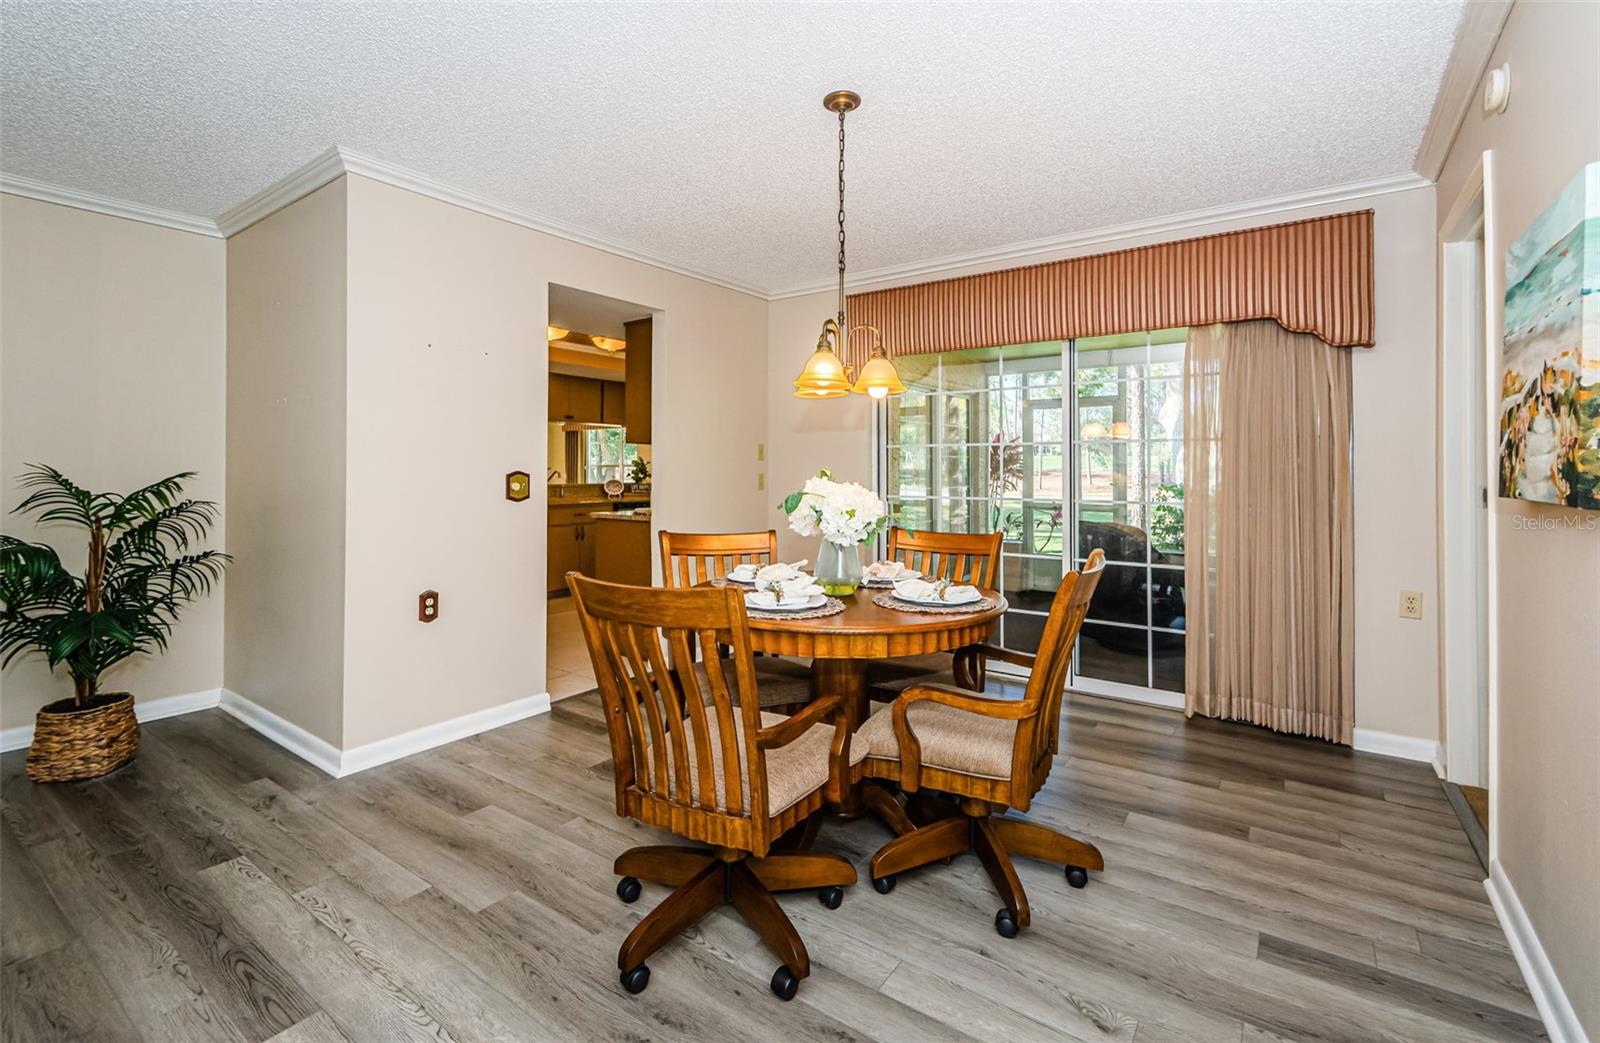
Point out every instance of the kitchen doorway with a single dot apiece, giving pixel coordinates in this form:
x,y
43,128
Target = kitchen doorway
x,y
597,463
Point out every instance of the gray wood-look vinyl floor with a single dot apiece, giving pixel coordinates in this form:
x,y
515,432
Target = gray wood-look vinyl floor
x,y
1257,887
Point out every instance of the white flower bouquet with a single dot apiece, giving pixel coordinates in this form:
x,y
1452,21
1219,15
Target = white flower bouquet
x,y
843,513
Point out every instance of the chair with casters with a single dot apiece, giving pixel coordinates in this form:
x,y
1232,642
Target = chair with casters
x,y
691,758
960,557
692,558
990,755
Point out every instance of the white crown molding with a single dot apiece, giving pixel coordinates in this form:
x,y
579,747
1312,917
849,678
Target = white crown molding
x,y
1479,31
299,183
1555,1010
411,181
337,161
1056,247
21,737
150,215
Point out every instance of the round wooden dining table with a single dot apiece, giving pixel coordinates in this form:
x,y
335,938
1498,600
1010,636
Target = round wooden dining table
x,y
842,644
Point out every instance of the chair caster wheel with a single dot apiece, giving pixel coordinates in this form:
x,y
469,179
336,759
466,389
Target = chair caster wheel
x,y
628,890
635,980
832,897
784,984
883,884
1077,876
1005,923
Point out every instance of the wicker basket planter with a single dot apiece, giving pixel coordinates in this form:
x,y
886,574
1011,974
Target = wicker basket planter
x,y
71,743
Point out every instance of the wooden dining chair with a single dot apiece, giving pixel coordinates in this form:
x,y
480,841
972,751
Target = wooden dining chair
x,y
690,758
990,754
960,557
692,558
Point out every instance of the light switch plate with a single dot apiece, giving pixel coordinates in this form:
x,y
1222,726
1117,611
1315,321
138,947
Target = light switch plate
x,y
1411,604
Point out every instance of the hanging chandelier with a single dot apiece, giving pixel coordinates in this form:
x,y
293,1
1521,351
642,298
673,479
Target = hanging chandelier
x,y
825,374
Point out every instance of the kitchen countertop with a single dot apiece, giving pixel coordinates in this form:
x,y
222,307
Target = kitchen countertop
x,y
639,515
563,501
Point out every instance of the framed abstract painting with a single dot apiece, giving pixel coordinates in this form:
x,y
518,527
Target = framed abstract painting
x,y
1550,357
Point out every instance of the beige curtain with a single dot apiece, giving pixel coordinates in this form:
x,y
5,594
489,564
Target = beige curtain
x,y
575,461
1267,529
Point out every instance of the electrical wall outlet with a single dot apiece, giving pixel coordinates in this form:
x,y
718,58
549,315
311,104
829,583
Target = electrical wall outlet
x,y
761,481
1411,604
428,606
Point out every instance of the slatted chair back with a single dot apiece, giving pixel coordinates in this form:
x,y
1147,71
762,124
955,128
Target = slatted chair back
x,y
1048,679
683,742
959,557
691,558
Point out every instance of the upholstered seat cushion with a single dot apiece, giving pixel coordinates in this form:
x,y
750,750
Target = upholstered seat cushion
x,y
794,771
951,739
896,675
779,682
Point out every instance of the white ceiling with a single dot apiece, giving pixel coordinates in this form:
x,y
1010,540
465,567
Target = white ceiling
x,y
694,133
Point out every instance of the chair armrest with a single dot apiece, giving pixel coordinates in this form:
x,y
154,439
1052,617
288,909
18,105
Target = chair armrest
x,y
1005,655
791,728
911,748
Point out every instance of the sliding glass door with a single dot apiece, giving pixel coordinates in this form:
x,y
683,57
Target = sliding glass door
x,y
987,439
1127,451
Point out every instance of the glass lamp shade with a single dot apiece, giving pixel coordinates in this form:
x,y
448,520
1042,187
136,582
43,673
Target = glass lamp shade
x,y
1093,429
1121,429
879,379
822,377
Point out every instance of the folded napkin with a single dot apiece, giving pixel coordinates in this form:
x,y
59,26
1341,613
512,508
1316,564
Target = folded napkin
x,y
879,571
745,573
778,572
923,590
793,592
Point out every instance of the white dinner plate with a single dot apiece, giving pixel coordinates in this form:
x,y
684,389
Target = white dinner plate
x,y
814,601
973,600
731,578
892,582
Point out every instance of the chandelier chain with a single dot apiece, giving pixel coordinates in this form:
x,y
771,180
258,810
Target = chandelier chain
x,y
841,216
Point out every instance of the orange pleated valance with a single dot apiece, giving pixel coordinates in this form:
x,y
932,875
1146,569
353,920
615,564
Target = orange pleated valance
x,y
1312,276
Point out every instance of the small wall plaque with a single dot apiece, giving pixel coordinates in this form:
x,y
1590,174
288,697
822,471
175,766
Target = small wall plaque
x,y
518,486
428,606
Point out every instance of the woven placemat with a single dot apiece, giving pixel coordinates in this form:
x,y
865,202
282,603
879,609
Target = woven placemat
x,y
890,601
832,607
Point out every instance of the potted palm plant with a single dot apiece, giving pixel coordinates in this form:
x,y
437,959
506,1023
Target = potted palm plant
x,y
140,573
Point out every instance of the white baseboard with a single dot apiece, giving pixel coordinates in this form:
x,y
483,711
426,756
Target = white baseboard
x,y
21,737
1438,760
326,757
313,749
1408,747
1555,1010
405,744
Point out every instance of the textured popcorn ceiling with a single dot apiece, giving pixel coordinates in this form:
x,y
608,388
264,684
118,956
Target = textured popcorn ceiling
x,y
695,133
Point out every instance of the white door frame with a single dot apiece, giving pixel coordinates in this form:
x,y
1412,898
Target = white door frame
x,y
1466,480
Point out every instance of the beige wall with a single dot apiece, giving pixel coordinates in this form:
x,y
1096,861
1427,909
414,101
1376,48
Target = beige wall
x,y
1396,668
1547,803
111,369
448,379
286,451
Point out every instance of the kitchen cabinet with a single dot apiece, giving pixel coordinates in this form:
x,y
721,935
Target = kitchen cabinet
x,y
571,545
638,374
575,398
613,404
